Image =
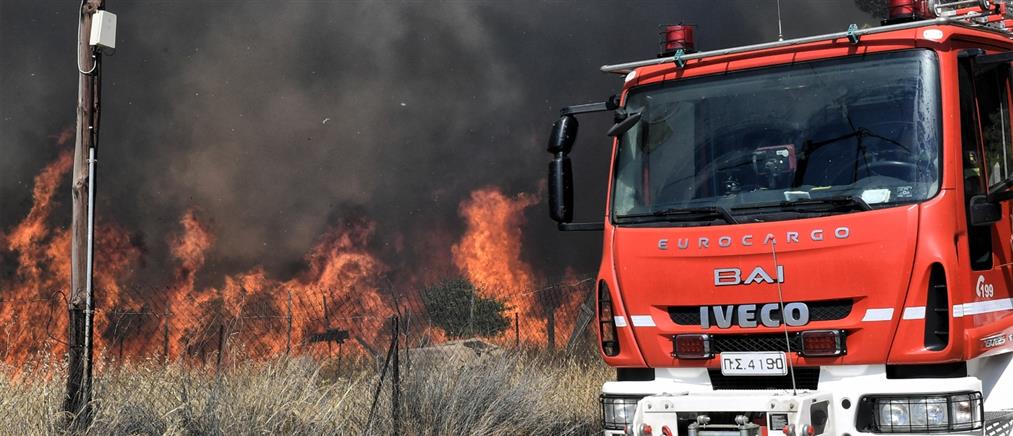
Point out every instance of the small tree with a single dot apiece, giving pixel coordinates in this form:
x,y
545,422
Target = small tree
x,y
455,306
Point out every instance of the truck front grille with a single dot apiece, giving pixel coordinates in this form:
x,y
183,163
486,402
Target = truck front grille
x,y
828,310
754,342
805,378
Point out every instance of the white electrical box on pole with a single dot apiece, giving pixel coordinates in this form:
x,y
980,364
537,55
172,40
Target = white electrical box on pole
x,y
103,32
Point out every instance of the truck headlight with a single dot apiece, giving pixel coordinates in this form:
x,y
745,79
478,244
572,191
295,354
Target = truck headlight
x,y
617,411
966,411
921,413
892,414
929,412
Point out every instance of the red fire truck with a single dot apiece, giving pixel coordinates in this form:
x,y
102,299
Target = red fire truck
x,y
810,236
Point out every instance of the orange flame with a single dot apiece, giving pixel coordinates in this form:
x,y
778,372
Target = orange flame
x,y
26,236
338,287
33,307
29,316
190,248
489,254
271,315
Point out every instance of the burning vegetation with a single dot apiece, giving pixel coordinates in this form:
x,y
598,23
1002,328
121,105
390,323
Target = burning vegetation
x,y
341,298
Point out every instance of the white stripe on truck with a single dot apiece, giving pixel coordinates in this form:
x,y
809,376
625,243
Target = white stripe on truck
x,y
642,321
878,314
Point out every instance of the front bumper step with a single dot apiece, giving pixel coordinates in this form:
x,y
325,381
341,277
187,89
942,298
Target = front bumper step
x,y
775,411
999,423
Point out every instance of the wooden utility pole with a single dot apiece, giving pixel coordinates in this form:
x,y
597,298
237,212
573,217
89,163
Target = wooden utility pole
x,y
78,393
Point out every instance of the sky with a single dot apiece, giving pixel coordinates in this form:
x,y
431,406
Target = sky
x,y
279,120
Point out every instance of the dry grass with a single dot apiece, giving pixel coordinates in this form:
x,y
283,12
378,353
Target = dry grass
x,y
510,394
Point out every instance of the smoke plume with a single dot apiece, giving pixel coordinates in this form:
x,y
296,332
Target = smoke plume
x,y
254,145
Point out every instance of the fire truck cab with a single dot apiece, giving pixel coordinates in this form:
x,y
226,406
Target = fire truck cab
x,y
810,236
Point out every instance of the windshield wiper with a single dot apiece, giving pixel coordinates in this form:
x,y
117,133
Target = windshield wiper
x,y
843,200
850,201
690,214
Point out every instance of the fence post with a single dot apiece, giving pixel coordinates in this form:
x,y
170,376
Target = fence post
x,y
550,329
517,330
221,347
379,383
586,316
288,341
165,337
471,314
395,385
407,343
340,346
327,322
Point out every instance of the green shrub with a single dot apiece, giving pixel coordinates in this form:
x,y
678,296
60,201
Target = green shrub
x,y
455,306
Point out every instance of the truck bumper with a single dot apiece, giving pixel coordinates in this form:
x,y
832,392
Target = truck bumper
x,y
846,393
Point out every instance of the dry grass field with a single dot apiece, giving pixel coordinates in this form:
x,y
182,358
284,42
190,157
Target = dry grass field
x,y
507,394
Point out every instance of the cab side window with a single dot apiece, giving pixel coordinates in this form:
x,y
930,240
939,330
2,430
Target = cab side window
x,y
991,88
987,147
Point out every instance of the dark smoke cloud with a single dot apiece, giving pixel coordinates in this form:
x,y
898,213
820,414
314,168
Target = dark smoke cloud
x,y
278,119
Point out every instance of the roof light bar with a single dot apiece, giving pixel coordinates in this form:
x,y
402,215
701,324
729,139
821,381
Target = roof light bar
x,y
626,67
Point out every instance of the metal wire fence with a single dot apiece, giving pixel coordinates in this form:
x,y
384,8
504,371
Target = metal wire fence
x,y
217,328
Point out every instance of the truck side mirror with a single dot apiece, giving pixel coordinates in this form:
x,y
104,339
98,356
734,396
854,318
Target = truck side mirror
x,y
561,189
561,140
564,133
983,212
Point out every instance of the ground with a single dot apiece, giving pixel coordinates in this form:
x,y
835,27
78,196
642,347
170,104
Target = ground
x,y
510,393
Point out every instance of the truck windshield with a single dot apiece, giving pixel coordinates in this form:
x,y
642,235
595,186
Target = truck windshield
x,y
784,142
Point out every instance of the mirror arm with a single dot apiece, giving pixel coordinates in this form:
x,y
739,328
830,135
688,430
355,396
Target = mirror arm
x,y
564,133
611,104
1001,196
1001,191
581,227
624,125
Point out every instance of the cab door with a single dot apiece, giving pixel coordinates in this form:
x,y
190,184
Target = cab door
x,y
985,101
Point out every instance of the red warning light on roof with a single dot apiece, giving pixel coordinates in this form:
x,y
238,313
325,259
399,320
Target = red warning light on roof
x,y
675,37
902,8
908,10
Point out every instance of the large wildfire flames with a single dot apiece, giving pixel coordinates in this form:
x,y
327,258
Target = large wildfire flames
x,y
489,254
339,287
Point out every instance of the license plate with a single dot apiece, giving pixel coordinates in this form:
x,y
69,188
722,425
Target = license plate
x,y
753,364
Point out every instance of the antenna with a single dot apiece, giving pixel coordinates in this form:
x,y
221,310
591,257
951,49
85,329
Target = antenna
x,y
780,33
780,300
